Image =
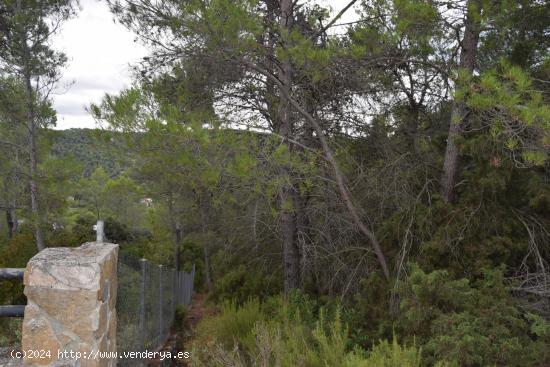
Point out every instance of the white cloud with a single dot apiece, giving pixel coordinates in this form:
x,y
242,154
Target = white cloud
x,y
100,52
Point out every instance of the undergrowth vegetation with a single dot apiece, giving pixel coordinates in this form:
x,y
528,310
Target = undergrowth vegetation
x,y
441,321
289,332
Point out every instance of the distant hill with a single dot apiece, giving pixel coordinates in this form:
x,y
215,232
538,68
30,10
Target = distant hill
x,y
93,148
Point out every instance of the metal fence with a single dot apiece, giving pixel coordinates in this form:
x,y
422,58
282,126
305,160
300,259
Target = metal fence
x,y
148,295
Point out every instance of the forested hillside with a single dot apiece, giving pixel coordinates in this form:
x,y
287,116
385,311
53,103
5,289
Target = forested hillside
x,y
373,193
92,149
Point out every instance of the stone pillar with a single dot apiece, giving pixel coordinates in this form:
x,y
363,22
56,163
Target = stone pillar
x,y
70,315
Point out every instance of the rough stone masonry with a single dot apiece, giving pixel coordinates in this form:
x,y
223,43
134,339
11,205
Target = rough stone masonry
x,y
70,312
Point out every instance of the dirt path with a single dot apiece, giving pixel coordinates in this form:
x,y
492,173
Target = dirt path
x,y
180,342
198,310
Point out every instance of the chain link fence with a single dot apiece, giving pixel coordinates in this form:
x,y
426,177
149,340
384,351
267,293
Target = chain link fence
x,y
148,295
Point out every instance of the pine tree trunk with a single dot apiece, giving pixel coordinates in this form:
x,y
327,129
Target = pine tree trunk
x,y
11,211
177,232
411,127
303,224
291,254
451,165
33,166
204,210
11,221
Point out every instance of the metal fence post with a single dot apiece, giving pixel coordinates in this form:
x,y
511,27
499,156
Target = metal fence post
x,y
192,285
160,305
141,345
186,287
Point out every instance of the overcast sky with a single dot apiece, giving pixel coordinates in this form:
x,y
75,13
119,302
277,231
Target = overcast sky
x,y
100,53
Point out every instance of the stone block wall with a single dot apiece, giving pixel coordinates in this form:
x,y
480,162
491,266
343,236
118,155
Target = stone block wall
x,y
70,312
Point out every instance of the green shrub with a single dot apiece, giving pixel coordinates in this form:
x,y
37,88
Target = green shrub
x,y
179,317
233,326
10,332
192,256
386,354
476,324
82,229
64,238
242,283
116,231
367,312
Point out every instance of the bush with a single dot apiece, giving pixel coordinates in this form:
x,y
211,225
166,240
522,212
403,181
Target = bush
x,y
387,354
476,324
10,332
367,312
64,238
179,318
191,255
116,231
233,326
83,230
242,283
